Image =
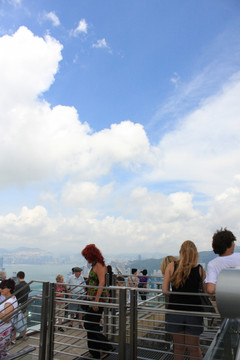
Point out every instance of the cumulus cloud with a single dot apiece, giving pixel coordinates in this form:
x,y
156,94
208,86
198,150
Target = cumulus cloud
x,y
45,143
27,67
82,28
40,143
53,18
83,193
157,223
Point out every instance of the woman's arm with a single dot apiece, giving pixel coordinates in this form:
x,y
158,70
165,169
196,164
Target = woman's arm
x,y
167,277
100,270
135,281
8,309
203,277
65,288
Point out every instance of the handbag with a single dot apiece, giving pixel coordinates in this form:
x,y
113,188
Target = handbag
x,y
19,322
206,303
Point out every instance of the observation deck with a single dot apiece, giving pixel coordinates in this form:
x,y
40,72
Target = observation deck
x,y
136,329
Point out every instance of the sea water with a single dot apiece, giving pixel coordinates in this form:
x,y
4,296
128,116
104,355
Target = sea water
x,y
40,272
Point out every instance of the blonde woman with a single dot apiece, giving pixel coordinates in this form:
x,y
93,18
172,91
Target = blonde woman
x,y
167,260
184,275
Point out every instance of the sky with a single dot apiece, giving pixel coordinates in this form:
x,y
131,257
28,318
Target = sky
x,y
119,124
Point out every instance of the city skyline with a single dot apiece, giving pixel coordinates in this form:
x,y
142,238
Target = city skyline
x,y
119,124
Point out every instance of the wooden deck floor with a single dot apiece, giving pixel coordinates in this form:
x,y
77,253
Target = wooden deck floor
x,y
67,345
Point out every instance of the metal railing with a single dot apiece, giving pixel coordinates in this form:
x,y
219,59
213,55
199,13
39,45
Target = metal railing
x,y
226,344
133,328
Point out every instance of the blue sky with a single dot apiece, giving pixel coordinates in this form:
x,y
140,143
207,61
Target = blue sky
x,y
119,123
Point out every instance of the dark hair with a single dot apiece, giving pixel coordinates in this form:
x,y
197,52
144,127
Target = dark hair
x,y
144,272
9,284
222,240
134,270
21,275
93,254
120,279
109,269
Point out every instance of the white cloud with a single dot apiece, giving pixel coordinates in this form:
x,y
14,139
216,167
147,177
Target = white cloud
x,y
27,67
45,143
102,44
40,143
53,18
84,193
204,149
158,223
82,28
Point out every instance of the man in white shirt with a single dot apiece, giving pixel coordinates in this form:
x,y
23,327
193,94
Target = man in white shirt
x,y
223,245
77,290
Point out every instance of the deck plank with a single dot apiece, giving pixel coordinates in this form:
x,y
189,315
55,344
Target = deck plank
x,y
73,342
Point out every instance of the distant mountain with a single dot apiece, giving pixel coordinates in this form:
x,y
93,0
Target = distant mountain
x,y
155,264
23,248
25,255
20,249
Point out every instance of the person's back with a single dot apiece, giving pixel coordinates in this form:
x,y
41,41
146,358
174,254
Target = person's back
x,y
191,285
133,279
22,289
223,245
142,283
185,276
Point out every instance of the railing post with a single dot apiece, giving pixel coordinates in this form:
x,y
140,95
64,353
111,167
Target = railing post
x,y
133,324
122,324
113,310
51,320
44,320
106,315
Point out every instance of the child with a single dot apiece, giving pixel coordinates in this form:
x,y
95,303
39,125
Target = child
x,y
60,305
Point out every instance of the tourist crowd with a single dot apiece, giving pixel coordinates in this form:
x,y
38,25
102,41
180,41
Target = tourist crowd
x,y
182,274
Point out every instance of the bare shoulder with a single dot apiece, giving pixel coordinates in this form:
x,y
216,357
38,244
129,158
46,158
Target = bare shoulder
x,y
99,267
170,268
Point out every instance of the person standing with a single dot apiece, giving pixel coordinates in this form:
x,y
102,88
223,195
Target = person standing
x,y
22,290
167,260
76,291
7,307
142,284
133,279
223,245
185,275
61,290
96,340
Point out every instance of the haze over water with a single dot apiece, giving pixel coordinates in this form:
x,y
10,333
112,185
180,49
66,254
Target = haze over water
x,y
40,272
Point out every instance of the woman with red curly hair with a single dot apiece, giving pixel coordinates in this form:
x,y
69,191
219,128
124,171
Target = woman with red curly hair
x,y
96,340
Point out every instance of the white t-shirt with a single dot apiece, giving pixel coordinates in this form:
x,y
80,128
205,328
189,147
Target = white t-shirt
x,y
12,300
79,285
219,263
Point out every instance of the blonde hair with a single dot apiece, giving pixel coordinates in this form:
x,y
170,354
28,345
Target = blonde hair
x,y
59,277
167,260
187,260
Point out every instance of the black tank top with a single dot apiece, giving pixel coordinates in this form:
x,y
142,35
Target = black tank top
x,y
192,285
